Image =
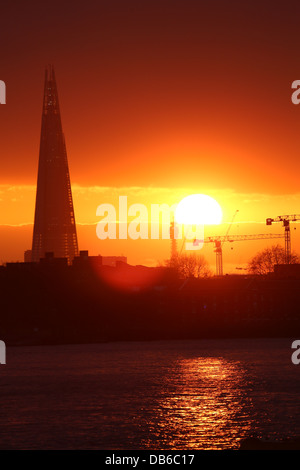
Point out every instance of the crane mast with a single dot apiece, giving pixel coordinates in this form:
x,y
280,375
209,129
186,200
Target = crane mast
x,y
173,240
218,248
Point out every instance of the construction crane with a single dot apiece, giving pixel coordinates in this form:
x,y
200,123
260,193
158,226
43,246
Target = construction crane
x,y
218,247
285,219
219,240
196,242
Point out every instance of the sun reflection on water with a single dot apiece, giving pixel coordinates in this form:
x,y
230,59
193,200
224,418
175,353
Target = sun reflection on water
x,y
202,406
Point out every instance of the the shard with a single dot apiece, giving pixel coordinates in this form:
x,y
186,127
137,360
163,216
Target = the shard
x,y
54,224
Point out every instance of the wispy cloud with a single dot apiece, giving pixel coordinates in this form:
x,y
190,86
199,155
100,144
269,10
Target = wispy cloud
x,y
17,202
26,224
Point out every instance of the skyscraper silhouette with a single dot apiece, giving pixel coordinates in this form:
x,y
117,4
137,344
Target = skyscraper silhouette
x,y
54,223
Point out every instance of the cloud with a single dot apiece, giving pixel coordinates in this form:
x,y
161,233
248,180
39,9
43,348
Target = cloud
x,y
17,202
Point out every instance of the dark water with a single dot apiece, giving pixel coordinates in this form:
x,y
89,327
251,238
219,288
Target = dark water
x,y
153,395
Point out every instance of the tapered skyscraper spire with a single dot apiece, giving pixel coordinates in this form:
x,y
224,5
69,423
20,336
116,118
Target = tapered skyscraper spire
x,y
54,223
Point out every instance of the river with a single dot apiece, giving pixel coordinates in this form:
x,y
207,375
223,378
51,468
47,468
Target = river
x,y
160,395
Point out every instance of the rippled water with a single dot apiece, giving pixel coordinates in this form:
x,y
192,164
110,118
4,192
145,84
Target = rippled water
x,y
152,395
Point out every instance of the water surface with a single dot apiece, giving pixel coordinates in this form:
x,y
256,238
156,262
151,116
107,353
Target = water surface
x,y
149,395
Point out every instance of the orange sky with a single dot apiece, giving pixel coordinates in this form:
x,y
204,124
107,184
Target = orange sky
x,y
160,99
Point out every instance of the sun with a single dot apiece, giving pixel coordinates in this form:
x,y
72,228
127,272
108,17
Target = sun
x,y
198,209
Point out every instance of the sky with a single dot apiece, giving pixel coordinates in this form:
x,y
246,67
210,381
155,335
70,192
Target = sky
x,y
159,99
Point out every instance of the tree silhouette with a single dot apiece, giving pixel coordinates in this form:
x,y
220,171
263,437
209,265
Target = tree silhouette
x,y
263,262
190,266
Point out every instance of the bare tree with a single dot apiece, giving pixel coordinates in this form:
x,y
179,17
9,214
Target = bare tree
x,y
263,262
190,266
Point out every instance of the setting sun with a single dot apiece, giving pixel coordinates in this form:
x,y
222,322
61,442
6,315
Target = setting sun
x,y
198,209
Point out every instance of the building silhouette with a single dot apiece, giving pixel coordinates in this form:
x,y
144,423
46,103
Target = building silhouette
x,y
54,224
